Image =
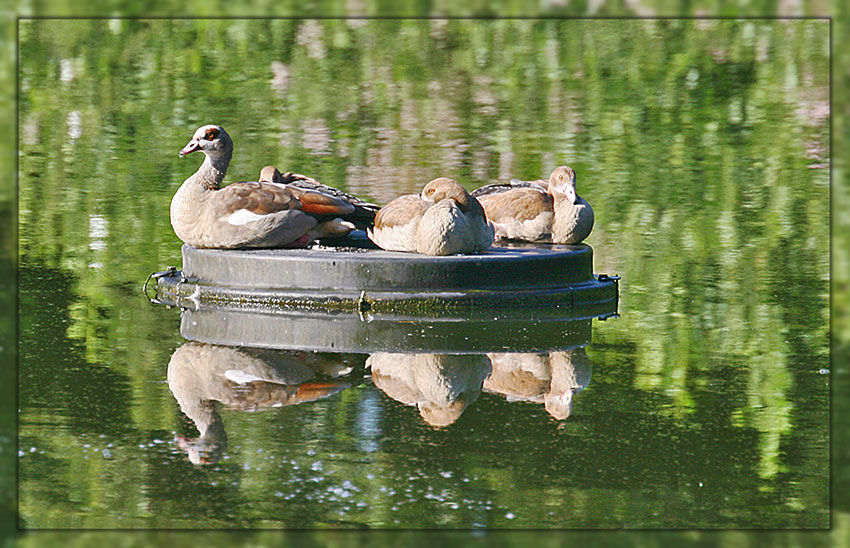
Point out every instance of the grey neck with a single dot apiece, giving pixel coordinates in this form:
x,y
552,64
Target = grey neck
x,y
212,171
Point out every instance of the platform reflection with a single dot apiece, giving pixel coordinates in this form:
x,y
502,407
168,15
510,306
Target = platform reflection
x,y
245,360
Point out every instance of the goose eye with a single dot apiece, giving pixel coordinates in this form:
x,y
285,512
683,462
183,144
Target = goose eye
x,y
211,134
430,191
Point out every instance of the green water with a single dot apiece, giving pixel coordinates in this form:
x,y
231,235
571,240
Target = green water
x,y
703,147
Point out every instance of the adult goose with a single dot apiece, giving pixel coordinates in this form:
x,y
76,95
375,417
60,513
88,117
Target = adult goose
x,y
538,210
442,220
247,214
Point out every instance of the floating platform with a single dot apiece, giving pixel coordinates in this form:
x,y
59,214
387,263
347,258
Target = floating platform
x,y
518,298
543,281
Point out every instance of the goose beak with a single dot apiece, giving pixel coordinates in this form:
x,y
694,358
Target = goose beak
x,y
192,146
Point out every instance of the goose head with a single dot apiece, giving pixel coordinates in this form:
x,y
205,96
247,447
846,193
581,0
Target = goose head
x,y
442,188
212,140
563,181
559,405
270,174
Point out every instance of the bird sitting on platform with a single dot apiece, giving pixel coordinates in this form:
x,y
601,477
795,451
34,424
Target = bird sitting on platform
x,y
538,210
442,220
249,214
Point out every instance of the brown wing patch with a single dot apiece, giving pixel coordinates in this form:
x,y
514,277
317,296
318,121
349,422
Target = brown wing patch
x,y
318,203
258,198
303,183
400,211
522,204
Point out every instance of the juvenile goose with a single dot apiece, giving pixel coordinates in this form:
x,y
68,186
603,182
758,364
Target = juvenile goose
x,y
443,220
247,214
538,210
364,212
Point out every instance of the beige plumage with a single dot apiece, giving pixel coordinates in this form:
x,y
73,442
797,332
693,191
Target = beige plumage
x,y
551,379
440,386
538,210
245,214
442,220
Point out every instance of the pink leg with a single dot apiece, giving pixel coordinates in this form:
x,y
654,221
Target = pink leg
x,y
300,242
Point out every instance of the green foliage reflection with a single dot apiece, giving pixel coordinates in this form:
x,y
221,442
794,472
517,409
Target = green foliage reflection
x,y
702,145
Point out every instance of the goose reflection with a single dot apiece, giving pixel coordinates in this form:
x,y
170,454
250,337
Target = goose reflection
x,y
202,377
440,386
551,378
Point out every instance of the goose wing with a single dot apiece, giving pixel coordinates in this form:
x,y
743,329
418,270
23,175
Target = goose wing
x,y
498,188
401,211
520,203
253,200
362,214
303,182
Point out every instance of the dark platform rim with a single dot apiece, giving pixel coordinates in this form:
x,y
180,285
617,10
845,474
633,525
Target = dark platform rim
x,y
500,268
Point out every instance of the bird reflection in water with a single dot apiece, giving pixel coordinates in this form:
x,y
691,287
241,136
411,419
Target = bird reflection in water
x,y
440,386
551,378
203,377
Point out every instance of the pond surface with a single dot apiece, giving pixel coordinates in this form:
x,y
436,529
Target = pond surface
x,y
702,146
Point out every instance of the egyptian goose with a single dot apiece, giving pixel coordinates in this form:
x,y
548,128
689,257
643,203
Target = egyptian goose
x,y
247,214
443,220
203,377
538,210
440,386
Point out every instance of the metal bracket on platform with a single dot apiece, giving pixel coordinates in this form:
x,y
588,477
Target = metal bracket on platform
x,y
363,308
616,280
607,278
169,271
